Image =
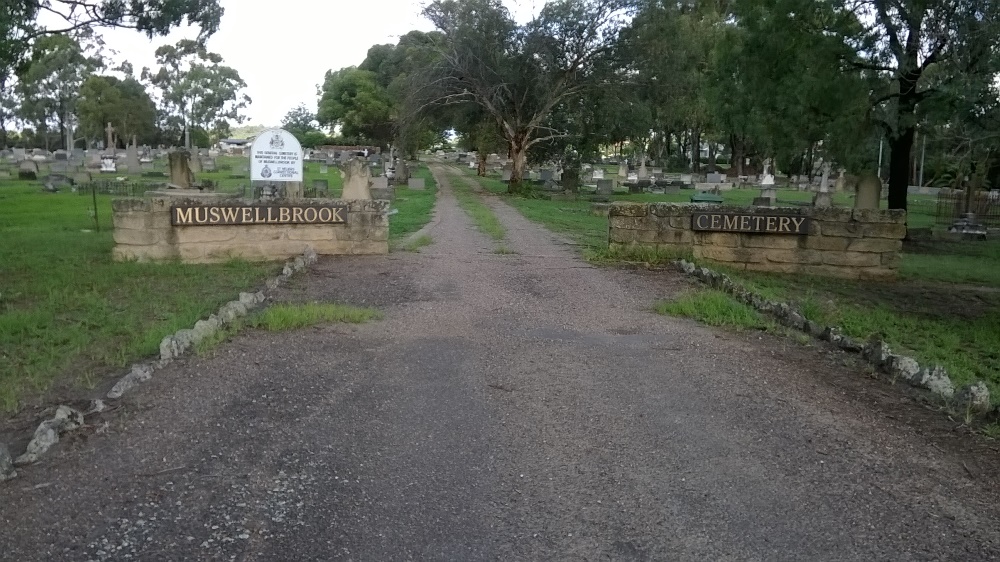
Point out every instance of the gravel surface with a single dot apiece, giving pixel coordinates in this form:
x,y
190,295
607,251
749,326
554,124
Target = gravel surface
x,y
509,407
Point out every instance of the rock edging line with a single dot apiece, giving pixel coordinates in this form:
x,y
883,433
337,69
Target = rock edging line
x,y
975,397
173,346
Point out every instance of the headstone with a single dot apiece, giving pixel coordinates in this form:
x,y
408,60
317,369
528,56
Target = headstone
x,y
841,183
605,187
823,199
19,154
59,166
357,180
60,156
715,177
622,170
868,192
768,193
181,176
687,179
321,184
79,154
81,178
146,166
416,183
598,173
506,174
132,157
27,170
324,169
546,175
194,163
208,165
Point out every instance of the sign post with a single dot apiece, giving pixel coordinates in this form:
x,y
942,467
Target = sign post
x,y
276,156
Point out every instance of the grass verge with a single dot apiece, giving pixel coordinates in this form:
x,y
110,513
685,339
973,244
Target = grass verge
x,y
714,308
415,206
956,328
69,315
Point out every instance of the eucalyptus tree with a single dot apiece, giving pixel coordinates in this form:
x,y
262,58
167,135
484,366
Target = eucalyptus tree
x,y
195,89
50,81
124,103
20,27
519,74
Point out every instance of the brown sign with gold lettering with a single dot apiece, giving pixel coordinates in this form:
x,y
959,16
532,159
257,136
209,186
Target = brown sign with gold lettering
x,y
212,215
737,222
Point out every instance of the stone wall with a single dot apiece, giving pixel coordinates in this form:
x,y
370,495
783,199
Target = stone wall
x,y
847,243
143,232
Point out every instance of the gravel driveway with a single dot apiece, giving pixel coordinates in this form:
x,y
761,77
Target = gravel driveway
x,y
509,407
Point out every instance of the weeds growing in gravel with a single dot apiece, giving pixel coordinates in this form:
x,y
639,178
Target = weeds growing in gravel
x,y
292,316
417,243
481,215
282,317
714,308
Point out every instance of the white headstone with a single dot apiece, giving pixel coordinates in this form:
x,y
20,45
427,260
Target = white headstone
x,y
276,155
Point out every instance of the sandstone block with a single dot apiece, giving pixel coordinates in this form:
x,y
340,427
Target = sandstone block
x,y
312,233
723,239
799,256
785,242
832,243
726,254
852,259
131,237
891,260
875,245
674,237
200,234
844,229
892,231
629,210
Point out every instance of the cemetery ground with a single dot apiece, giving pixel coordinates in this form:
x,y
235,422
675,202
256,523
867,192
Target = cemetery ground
x,y
70,317
944,310
525,406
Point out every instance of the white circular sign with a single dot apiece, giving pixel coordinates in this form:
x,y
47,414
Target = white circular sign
x,y
276,155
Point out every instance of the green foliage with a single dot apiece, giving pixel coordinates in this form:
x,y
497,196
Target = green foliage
x,y
714,308
123,103
483,217
195,89
519,74
67,309
50,82
353,99
301,123
281,317
415,206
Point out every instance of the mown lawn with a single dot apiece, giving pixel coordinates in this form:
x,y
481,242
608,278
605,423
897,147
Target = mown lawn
x,y
70,316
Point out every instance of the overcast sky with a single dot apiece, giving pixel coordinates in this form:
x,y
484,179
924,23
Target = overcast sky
x,y
283,48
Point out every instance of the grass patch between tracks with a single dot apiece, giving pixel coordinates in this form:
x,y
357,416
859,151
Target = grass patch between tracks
x,y
483,217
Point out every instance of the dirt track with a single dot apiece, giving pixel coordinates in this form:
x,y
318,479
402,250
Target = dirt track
x,y
524,406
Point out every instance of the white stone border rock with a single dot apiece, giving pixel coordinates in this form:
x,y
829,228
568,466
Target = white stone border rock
x,y
974,397
173,346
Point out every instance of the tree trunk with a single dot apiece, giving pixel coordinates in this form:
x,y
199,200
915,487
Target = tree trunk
x,y
696,150
737,154
711,158
519,162
481,168
899,167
